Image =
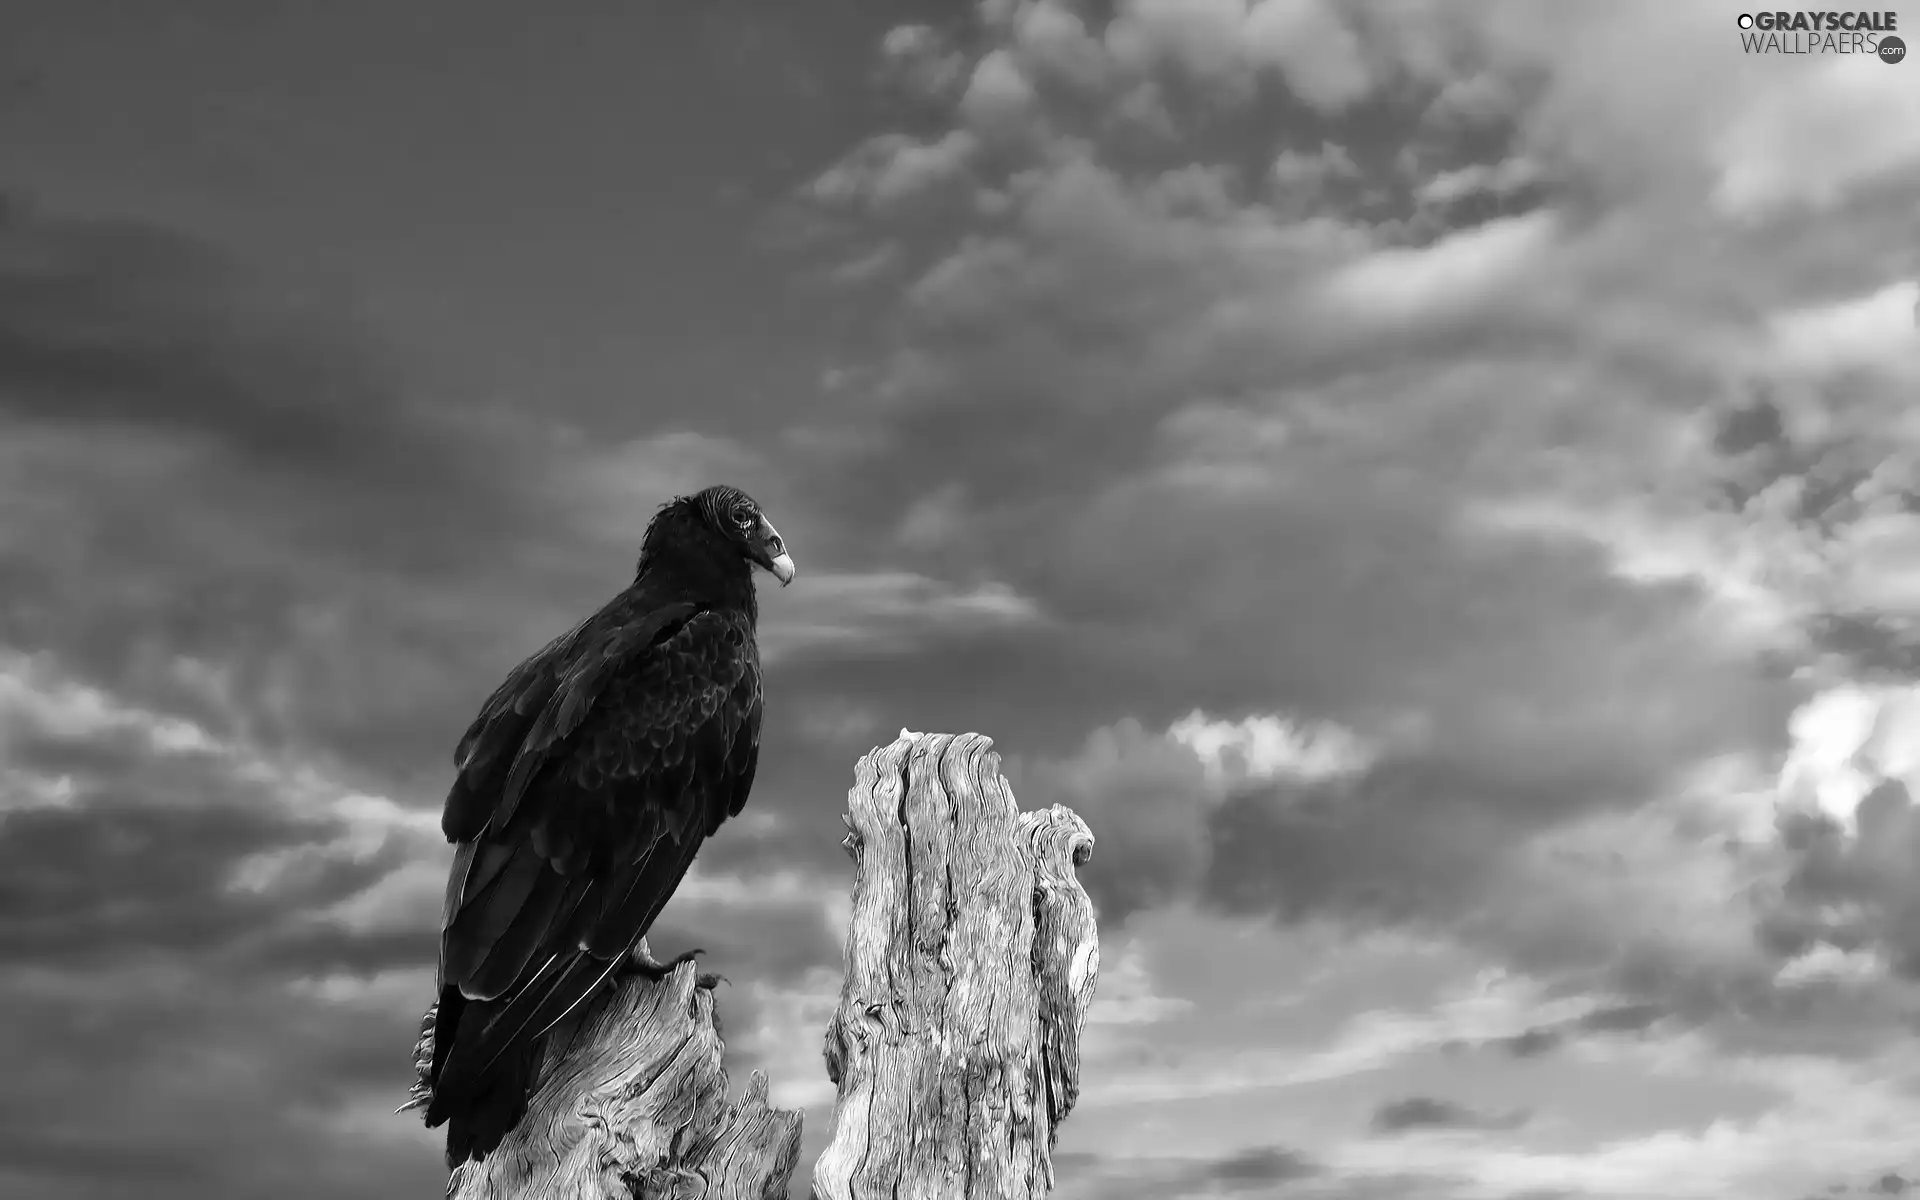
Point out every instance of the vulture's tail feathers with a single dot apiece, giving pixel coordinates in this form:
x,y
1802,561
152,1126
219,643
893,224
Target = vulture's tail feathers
x,y
501,1101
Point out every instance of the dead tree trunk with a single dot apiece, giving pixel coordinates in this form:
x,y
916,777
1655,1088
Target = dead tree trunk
x,y
632,1101
970,961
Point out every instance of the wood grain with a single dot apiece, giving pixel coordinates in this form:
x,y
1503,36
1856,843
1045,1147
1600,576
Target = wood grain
x,y
971,957
631,1100
970,960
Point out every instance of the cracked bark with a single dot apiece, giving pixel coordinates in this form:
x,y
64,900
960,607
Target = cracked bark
x,y
970,961
631,1101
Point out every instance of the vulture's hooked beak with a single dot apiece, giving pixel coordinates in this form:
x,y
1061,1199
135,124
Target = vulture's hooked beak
x,y
770,551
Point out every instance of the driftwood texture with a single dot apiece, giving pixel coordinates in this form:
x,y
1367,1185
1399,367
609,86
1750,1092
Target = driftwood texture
x,y
970,961
631,1101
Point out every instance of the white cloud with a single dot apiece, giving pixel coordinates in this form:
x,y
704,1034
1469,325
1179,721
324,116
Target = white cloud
x,y
1446,280
785,1042
887,610
1313,49
1219,43
407,898
1846,740
38,700
1055,42
1127,995
1828,734
1331,160
20,789
1493,1004
998,96
1266,746
1876,330
1200,36
1497,179
1830,964
1810,132
395,989
1753,581
920,59
1568,904
892,169
1561,368
1876,559
34,694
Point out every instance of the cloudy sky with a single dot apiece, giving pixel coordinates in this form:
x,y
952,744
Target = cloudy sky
x,y
1436,485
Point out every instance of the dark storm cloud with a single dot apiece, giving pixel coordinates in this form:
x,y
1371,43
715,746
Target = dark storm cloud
x,y
1417,838
1223,497
1260,1167
1552,694
153,932
198,1084
188,935
221,473
1312,591
1031,689
1117,394
228,506
778,941
1514,649
121,323
1615,1019
122,878
1823,486
1427,1112
1258,1170
1533,1043
1410,841
1853,890
1621,1018
323,947
201,468
1259,524
1881,646
195,856
1755,425
1139,793
1226,497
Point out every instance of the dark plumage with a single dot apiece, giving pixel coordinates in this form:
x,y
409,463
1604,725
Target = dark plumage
x,y
584,788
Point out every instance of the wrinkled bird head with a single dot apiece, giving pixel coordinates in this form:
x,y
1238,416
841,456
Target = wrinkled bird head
x,y
718,530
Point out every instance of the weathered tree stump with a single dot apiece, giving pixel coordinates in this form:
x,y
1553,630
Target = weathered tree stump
x,y
631,1100
970,961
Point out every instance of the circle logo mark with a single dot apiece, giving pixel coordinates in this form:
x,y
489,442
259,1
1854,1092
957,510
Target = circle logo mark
x,y
1745,21
1892,49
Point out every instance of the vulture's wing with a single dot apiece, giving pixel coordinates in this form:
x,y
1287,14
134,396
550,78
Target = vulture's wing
x,y
588,782
575,663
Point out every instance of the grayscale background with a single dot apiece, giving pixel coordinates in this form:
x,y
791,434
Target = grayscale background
x,y
1437,485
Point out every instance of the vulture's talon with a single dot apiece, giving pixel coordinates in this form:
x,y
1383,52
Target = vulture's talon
x,y
645,964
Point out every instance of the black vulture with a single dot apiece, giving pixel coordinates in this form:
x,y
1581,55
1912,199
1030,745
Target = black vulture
x,y
583,790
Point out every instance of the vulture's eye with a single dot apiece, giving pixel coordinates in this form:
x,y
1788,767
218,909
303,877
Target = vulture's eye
x,y
743,521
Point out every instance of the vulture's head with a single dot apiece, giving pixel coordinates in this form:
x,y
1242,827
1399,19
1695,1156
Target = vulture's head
x,y
718,523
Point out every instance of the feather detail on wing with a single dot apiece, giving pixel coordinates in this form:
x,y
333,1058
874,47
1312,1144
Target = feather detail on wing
x,y
586,786
540,702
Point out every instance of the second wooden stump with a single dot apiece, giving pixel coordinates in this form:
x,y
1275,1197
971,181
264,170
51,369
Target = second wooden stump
x,y
970,961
